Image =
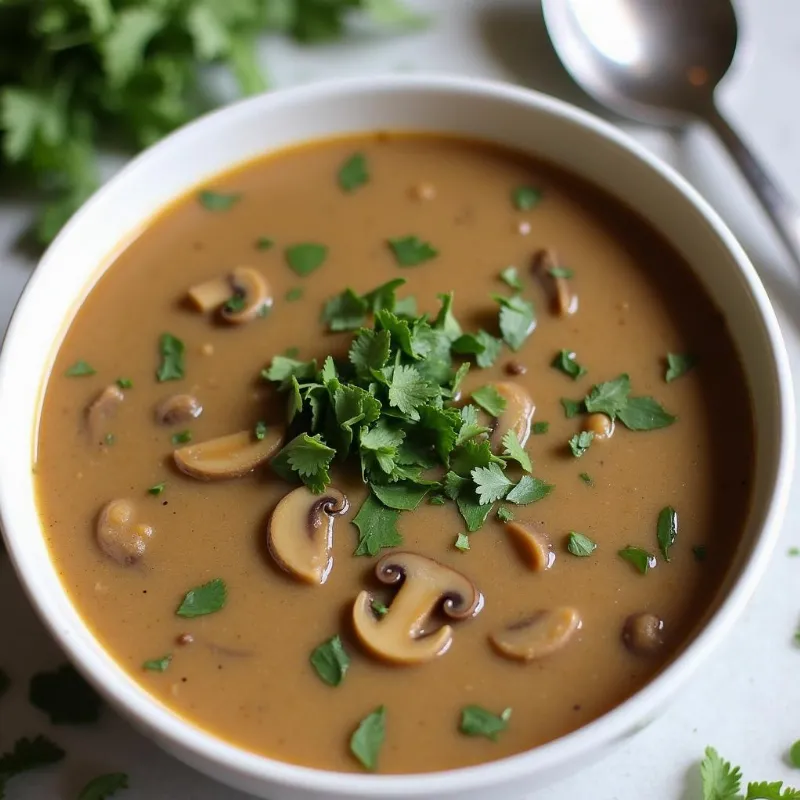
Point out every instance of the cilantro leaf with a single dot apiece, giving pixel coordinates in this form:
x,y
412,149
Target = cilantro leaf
x,y
377,527
515,451
470,427
283,368
65,697
353,173
408,390
645,414
561,272
366,742
510,276
80,369
474,513
771,791
477,721
172,358
104,786
609,398
678,365
485,347
490,400
345,312
384,296
202,600
565,361
462,542
330,661
216,201
640,559
517,320
572,407
403,495
445,320
454,484
586,478
529,490
306,257
410,251
580,443
540,428
524,198
580,545
379,447
27,755
158,664
490,483
721,781
472,454
309,457
667,530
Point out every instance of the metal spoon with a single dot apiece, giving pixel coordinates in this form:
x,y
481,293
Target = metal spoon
x,y
660,62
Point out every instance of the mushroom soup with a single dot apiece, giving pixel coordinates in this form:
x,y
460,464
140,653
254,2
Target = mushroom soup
x,y
395,453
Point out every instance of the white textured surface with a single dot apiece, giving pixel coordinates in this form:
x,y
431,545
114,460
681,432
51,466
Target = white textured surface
x,y
744,701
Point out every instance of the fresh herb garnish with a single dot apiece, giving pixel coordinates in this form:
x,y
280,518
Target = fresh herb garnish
x,y
517,320
485,347
565,361
561,272
260,430
645,414
182,437
510,276
540,428
109,439
403,495
330,661
529,490
700,552
491,483
678,365
490,400
525,198
157,489
306,257
377,527
65,697
217,201
505,514
586,478
380,609
80,369
572,407
172,358
264,243
125,383
580,545
353,173
437,500
639,558
411,251
667,530
721,781
366,742
294,294
477,721
608,398
462,542
515,451
206,599
27,755
158,664
104,786
235,303
580,443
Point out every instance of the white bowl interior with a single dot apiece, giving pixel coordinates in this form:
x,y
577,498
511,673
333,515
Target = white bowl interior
x,y
519,119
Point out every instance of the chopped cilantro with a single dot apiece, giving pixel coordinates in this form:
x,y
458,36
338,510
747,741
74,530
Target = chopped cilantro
x,y
505,514
510,276
565,361
700,552
65,697
264,243
158,664
515,451
353,173
294,294
490,400
609,398
477,721
172,358
485,347
678,365
217,201
182,437
580,443
157,489
540,428
586,478
235,303
794,551
436,500
580,545
473,513
80,369
377,527
667,530
380,609
330,661
410,251
561,272
306,257
645,414
346,311
109,439
491,484
639,558
721,781
517,320
125,383
307,456
525,198
403,495
572,407
366,742
202,600
529,490
103,786
462,542
794,755
260,430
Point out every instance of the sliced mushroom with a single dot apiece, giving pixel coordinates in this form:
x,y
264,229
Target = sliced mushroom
x,y
642,633
517,416
533,545
178,408
300,535
103,408
402,635
210,295
253,289
538,636
563,300
120,537
228,456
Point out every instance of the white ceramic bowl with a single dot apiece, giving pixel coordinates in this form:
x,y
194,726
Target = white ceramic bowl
x,y
511,116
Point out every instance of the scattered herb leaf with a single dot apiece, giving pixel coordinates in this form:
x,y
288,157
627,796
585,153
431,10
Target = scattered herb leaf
x,y
182,437
608,398
678,365
566,363
505,514
235,303
639,558
80,369
540,428
572,407
202,600
462,542
380,609
366,742
306,257
510,276
517,320
157,488
477,721
525,198
645,414
172,358
353,173
104,786
217,201
490,483
27,755
490,400
667,530
109,439
529,490
580,545
586,478
403,495
125,383
260,431
377,527
580,443
158,664
515,451
561,272
410,251
264,243
330,660
722,781
794,755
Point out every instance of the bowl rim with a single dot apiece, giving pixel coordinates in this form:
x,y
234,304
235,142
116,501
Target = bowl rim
x,y
167,726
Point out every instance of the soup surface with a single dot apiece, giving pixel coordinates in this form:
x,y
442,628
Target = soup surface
x,y
490,641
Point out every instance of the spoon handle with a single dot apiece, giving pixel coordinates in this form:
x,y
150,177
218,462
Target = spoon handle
x,y
781,210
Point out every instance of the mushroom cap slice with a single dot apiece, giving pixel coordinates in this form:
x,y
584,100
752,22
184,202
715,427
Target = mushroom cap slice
x,y
517,416
118,535
103,408
401,636
643,633
252,286
229,456
178,408
210,295
300,534
533,545
540,635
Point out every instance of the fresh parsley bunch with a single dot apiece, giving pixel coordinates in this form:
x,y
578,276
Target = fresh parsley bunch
x,y
78,74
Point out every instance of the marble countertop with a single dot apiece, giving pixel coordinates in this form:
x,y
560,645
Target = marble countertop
x,y
744,701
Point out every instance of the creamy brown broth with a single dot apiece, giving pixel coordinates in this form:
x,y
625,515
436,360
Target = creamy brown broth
x,y
246,675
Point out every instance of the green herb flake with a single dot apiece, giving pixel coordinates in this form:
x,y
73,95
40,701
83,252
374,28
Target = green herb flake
x,y
645,414
540,428
235,303
515,451
305,258
485,347
510,276
65,697
27,755
505,514
217,201
436,500
367,740
294,294
561,272
411,251
172,358
678,365
639,558
580,545
524,198
608,398
580,443
667,530
462,542
572,407
722,781
109,439
377,527
490,483
474,513
566,362
158,664
490,400
517,320
353,173
586,478
380,609
125,383
182,437
104,786
529,490
202,600
264,243
700,552
477,721
260,430
402,495
80,369
157,489
793,551
794,755
330,661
